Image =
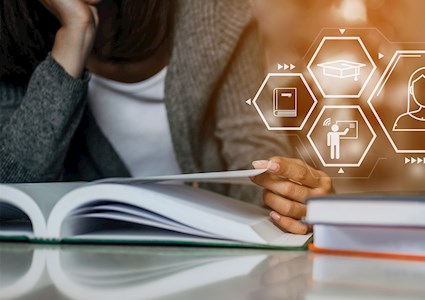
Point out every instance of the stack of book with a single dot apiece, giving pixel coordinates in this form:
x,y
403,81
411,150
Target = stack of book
x,y
374,225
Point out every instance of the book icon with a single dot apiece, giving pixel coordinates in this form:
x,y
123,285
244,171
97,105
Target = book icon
x,y
342,69
285,102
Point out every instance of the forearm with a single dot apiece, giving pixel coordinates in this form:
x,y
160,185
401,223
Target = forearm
x,y
71,51
74,40
35,138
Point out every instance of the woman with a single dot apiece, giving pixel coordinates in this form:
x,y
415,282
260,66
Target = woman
x,y
135,117
414,118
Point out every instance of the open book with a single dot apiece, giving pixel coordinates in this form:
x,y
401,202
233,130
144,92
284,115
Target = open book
x,y
141,210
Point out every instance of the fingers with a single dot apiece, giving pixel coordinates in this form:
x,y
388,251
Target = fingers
x,y
293,169
95,15
289,224
287,184
284,206
284,188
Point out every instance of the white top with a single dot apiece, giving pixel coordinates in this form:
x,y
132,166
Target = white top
x,y
134,120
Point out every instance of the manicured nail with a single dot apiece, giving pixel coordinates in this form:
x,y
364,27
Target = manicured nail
x,y
260,164
275,216
273,166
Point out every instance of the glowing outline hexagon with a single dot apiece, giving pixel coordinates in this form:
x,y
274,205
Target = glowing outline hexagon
x,y
313,127
315,102
367,55
390,68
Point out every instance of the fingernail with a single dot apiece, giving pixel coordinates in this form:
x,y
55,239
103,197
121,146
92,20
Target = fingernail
x,y
260,163
273,166
275,216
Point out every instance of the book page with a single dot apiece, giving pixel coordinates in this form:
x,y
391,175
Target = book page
x,y
25,208
46,195
196,211
229,177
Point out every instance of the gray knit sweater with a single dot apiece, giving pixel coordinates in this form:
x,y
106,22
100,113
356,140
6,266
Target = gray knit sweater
x,y
48,134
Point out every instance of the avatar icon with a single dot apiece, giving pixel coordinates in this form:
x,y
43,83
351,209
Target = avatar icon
x,y
414,118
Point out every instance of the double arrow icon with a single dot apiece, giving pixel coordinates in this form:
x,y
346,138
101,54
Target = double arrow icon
x,y
413,160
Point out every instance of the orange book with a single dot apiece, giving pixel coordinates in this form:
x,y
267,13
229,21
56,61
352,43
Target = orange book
x,y
312,247
377,241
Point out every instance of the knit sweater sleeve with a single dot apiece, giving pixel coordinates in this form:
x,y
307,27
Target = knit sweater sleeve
x,y
36,126
243,135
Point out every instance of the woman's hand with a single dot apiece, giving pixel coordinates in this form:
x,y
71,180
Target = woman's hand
x,y
287,184
74,40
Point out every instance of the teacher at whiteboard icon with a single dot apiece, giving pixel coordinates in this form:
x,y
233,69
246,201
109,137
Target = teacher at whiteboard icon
x,y
334,141
414,118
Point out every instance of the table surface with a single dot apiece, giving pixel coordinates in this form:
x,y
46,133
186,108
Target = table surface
x,y
36,271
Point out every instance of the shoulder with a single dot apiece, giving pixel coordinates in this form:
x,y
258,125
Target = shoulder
x,y
407,122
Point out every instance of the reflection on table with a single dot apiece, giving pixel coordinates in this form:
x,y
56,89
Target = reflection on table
x,y
340,277
107,272
118,272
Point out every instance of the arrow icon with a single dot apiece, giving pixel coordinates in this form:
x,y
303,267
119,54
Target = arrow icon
x,y
342,31
285,67
381,56
249,101
406,160
341,171
413,160
420,160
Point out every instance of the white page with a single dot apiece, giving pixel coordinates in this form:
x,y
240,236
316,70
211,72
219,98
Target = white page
x,y
230,177
141,221
46,195
135,212
206,211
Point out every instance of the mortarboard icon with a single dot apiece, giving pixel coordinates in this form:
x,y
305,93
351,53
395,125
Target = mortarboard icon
x,y
342,69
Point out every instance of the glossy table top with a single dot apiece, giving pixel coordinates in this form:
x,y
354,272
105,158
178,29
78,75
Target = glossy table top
x,y
29,271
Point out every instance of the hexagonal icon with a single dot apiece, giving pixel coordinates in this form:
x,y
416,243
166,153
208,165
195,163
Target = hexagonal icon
x,y
284,101
341,136
398,101
341,67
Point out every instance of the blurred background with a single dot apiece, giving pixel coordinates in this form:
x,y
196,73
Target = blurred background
x,y
292,31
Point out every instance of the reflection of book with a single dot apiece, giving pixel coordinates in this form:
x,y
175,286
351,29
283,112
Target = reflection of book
x,y
138,211
92,276
93,273
22,271
339,277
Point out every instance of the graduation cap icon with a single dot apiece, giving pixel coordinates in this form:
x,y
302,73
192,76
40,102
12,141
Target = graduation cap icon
x,y
342,69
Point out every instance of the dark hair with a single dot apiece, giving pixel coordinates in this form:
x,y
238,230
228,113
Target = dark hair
x,y
133,30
